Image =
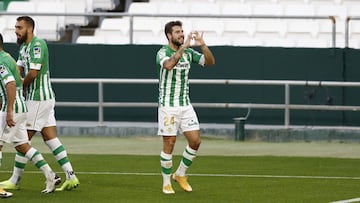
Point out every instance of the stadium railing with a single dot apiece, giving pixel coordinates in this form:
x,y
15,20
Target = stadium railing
x,y
286,106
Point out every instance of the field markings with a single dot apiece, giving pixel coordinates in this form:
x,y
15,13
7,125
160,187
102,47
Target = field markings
x,y
348,200
207,175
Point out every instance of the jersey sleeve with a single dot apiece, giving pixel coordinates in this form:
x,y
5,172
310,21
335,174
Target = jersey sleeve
x,y
197,57
161,57
37,55
5,74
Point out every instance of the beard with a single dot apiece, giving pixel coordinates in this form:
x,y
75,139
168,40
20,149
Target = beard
x,y
22,39
176,42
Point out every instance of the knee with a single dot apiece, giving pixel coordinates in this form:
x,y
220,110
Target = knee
x,y
195,144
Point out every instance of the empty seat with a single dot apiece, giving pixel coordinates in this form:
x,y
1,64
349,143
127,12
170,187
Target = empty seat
x,y
247,41
117,26
173,8
313,43
90,40
50,27
204,8
268,9
271,28
302,29
236,9
299,10
103,4
239,28
78,6
143,8
279,42
210,27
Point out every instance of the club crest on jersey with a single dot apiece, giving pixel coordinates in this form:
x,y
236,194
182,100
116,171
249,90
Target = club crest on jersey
x,y
3,70
37,52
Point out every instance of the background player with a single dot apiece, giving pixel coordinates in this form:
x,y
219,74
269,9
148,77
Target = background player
x,y
34,65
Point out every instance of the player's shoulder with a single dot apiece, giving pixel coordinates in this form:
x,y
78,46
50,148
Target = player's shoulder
x,y
38,41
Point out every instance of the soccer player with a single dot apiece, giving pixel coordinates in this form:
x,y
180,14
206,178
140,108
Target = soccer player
x,y
175,112
13,119
33,62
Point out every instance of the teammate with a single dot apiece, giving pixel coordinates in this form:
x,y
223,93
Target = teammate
x,y
175,112
13,119
33,63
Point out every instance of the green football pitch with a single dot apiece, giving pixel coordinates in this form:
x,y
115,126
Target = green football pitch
x,y
128,170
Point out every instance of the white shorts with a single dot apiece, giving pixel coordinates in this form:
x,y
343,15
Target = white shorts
x,y
16,135
41,114
174,119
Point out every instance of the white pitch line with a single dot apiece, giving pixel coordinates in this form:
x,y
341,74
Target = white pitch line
x,y
208,175
348,200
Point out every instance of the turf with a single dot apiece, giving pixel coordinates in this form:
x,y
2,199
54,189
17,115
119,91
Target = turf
x,y
136,178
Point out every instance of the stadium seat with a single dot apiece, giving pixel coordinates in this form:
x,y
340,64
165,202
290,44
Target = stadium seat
x,y
90,40
303,28
103,4
143,8
312,43
50,27
236,9
204,8
247,41
117,40
173,8
299,10
271,28
268,9
279,42
118,26
78,6
239,28
210,27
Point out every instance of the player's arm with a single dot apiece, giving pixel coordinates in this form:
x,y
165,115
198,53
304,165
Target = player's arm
x,y
199,41
11,94
30,77
174,59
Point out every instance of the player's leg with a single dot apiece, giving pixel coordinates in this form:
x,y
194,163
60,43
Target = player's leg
x,y
13,183
167,128
191,129
38,161
60,154
166,163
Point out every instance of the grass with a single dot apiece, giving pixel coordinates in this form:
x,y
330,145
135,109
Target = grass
x,y
136,178
113,169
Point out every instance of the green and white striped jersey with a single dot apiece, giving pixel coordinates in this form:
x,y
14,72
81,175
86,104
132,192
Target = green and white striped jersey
x,y
35,55
9,73
174,83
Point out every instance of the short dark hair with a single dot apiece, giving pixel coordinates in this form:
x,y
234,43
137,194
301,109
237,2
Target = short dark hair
x,y
170,25
1,41
28,20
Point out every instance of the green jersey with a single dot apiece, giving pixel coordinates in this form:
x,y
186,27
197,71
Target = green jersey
x,y
174,83
35,55
9,73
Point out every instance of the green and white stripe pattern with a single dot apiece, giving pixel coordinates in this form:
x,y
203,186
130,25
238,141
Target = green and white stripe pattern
x,y
9,73
35,55
174,84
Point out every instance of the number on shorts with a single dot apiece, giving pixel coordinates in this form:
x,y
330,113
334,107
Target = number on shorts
x,y
169,120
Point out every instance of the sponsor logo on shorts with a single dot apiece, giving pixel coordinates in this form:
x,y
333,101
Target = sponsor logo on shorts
x,y
192,123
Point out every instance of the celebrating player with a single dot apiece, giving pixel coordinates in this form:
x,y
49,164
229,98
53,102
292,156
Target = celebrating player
x,y
175,112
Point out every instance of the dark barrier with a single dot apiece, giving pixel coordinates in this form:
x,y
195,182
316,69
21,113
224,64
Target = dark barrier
x,y
258,63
